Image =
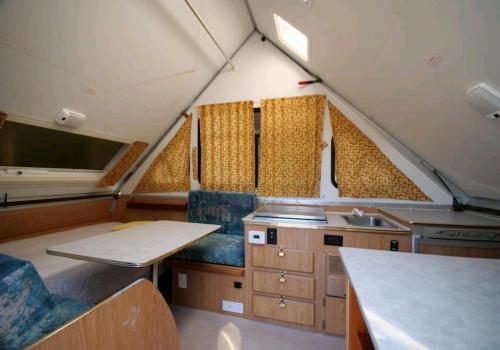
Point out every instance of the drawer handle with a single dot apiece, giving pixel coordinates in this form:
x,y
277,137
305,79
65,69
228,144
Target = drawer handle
x,y
281,252
282,304
282,277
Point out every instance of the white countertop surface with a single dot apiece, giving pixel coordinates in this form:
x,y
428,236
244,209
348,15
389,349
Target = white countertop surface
x,y
138,246
334,221
417,301
442,217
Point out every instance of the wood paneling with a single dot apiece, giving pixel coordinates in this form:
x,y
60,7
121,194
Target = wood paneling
x,y
135,318
291,285
214,268
335,313
201,292
293,311
22,223
491,253
145,208
380,241
206,290
293,259
357,332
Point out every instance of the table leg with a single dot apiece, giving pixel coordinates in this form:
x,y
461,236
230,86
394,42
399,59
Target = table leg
x,y
154,277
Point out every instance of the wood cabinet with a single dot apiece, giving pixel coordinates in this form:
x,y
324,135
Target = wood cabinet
x,y
300,281
283,283
335,315
282,309
283,258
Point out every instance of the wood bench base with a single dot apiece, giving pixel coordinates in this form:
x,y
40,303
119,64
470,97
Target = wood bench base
x,y
207,285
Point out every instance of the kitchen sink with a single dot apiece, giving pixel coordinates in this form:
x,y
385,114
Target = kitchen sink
x,y
368,221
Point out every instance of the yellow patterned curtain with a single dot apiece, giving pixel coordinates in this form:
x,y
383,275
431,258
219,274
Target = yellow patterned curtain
x,y
170,170
290,146
121,167
227,146
362,170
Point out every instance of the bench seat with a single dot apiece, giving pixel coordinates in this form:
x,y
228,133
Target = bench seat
x,y
216,248
27,310
226,246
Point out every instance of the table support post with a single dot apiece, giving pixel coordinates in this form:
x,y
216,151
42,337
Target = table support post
x,y
154,276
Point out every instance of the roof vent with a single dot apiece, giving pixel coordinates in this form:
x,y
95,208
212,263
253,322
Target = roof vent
x,y
485,99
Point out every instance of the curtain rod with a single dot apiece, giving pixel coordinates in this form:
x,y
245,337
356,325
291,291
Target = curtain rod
x,y
197,15
6,204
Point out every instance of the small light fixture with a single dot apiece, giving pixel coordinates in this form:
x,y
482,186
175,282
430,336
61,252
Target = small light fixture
x,y
292,38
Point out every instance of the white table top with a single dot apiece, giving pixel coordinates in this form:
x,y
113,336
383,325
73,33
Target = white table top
x,y
137,246
417,301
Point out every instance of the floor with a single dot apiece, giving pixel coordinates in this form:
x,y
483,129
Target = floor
x,y
211,331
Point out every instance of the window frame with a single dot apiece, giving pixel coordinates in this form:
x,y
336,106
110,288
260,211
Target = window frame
x,y
38,171
279,22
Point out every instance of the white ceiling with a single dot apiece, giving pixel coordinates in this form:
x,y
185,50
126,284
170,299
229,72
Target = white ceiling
x,y
115,61
374,54
121,62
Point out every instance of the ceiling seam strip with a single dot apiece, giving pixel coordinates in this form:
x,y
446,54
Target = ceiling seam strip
x,y
198,17
250,13
165,133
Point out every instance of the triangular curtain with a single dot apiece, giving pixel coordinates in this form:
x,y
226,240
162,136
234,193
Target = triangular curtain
x,y
227,146
170,170
362,170
290,146
120,168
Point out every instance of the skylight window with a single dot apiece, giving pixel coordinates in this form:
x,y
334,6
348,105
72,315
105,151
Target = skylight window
x,y
294,39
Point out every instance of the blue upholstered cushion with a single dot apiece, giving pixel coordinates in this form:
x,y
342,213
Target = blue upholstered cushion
x,y
226,246
69,308
221,208
217,248
27,311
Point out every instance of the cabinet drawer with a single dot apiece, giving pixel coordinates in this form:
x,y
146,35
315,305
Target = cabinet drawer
x,y
288,285
292,311
288,260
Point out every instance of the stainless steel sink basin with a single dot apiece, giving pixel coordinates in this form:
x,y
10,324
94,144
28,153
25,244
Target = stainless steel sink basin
x,y
368,221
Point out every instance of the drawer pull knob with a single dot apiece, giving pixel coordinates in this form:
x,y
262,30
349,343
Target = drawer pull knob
x,y
282,304
282,277
281,252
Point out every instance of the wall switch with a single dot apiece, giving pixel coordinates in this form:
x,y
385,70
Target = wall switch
x,y
182,280
272,235
256,237
231,306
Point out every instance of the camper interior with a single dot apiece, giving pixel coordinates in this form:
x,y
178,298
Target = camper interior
x,y
249,174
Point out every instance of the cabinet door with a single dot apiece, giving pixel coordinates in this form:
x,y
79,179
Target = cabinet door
x,y
293,311
283,258
380,241
335,313
282,283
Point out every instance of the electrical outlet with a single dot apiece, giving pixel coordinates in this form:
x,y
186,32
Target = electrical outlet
x,y
182,280
231,306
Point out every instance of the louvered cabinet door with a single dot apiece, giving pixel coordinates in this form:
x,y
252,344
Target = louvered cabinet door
x,y
335,278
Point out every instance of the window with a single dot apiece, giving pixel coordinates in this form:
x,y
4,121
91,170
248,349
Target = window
x,y
256,112
23,145
294,39
333,174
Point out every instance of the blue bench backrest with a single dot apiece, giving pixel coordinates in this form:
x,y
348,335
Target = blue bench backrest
x,y
27,311
221,208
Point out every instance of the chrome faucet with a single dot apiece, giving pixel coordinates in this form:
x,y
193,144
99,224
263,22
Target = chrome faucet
x,y
357,212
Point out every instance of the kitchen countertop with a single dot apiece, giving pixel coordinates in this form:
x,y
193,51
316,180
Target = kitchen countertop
x,y
334,221
442,217
417,301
